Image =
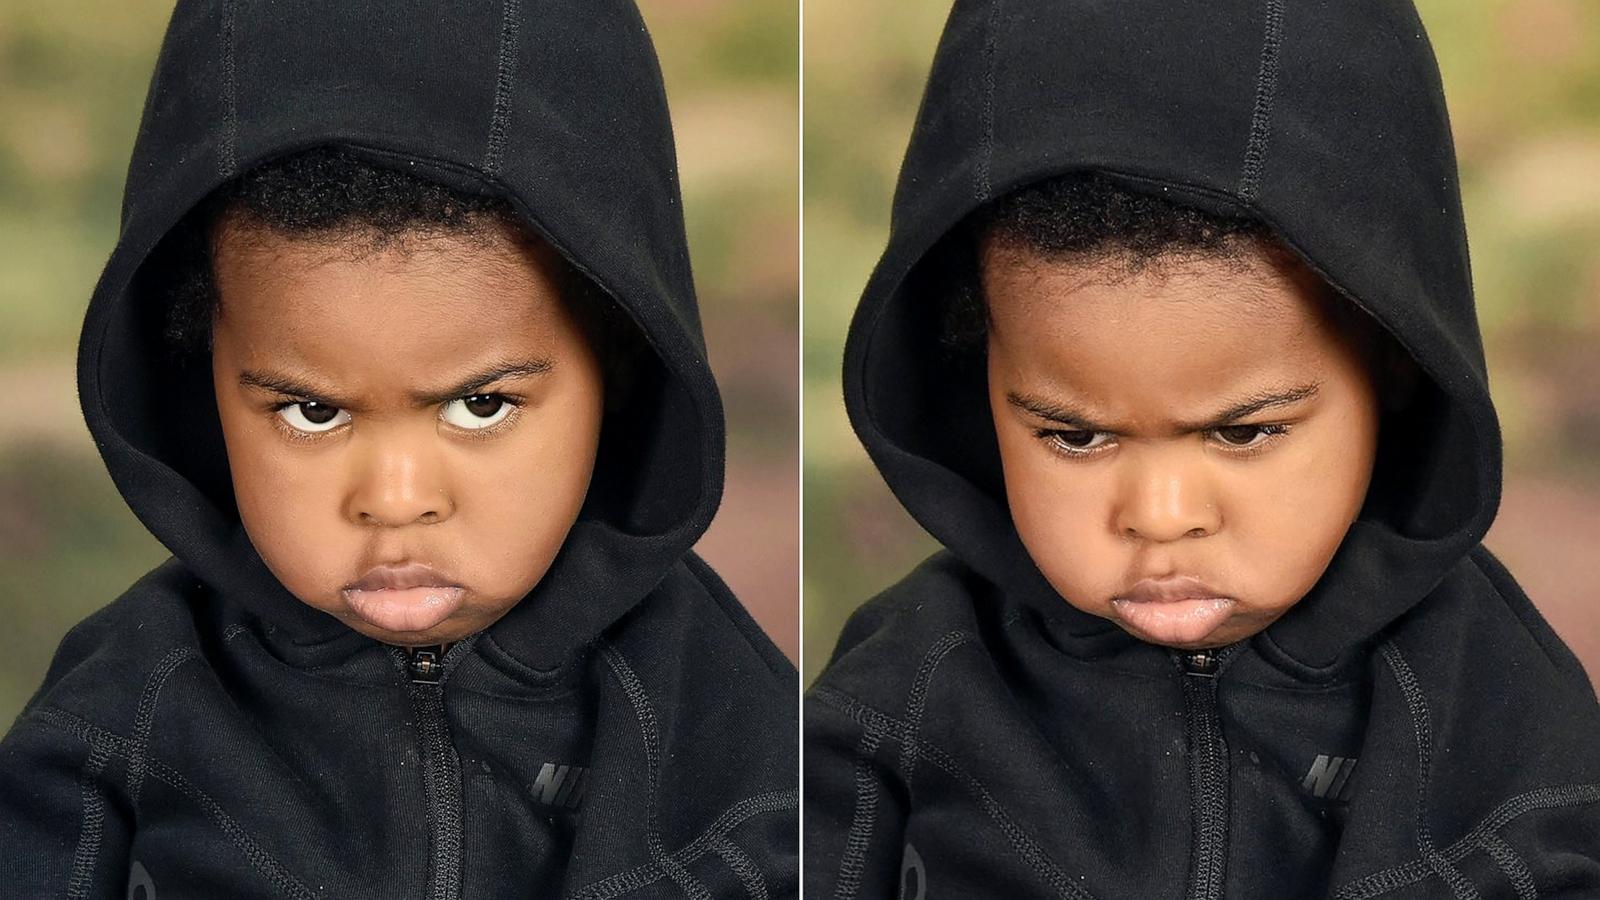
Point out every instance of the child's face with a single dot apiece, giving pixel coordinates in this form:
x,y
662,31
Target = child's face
x,y
411,452
1200,425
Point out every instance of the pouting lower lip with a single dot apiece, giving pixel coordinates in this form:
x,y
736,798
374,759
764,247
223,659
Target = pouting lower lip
x,y
405,609
1176,622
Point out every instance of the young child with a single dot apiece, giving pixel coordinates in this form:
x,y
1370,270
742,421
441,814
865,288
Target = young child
x,y
1173,348
398,354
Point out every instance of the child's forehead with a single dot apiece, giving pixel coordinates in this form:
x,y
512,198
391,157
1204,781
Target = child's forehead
x,y
301,276
1221,293
1180,335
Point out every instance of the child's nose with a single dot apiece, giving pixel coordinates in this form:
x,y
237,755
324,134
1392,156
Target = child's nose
x,y
1166,501
398,484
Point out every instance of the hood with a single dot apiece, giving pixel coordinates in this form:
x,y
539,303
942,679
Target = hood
x,y
1324,122
553,105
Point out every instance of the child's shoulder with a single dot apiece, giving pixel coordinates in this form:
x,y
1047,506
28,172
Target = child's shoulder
x,y
932,610
693,622
1479,608
106,661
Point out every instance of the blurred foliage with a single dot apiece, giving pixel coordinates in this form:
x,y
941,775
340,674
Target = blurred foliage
x,y
1522,80
73,75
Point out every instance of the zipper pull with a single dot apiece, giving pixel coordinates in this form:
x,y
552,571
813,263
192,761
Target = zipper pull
x,y
423,663
1199,663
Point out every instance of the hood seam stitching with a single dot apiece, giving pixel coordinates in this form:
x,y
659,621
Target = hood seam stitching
x,y
1255,153
991,46
505,79
228,164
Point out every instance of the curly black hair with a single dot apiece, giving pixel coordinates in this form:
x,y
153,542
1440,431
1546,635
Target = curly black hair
x,y
328,195
1087,218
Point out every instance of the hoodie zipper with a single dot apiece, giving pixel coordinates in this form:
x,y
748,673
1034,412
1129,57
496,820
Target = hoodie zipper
x,y
1208,772
441,768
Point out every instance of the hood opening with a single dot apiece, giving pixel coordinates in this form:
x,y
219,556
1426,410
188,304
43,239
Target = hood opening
x,y
560,108
171,415
641,504
922,409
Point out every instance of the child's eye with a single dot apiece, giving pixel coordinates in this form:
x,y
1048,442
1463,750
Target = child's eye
x,y
312,417
1244,437
1075,443
478,411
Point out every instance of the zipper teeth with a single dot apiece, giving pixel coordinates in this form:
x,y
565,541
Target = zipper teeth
x,y
1208,784
442,777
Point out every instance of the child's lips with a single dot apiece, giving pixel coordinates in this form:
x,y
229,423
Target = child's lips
x,y
1174,611
1173,622
407,597
405,609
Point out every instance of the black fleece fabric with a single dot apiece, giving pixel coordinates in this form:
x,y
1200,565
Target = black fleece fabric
x,y
1411,728
626,730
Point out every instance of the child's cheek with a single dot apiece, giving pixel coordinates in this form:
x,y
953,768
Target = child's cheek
x,y
1056,505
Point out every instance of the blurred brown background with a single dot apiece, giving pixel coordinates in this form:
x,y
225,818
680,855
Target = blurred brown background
x,y
1522,78
73,75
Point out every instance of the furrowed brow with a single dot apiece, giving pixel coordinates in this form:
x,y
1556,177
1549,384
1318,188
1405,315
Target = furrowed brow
x,y
1053,411
1265,400
288,385
279,383
1070,417
512,369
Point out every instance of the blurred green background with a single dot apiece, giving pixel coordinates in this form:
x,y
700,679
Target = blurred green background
x,y
73,75
1522,80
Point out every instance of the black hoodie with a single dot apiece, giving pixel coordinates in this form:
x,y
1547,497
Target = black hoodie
x,y
1412,728
625,730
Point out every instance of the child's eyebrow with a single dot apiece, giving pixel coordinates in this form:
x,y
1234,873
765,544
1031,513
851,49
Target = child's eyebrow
x,y
1271,398
287,384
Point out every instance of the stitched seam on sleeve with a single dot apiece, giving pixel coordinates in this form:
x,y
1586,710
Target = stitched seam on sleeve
x,y
863,819
1022,843
145,717
1422,727
644,713
734,816
1421,724
90,831
1431,861
1551,797
1510,865
117,745
741,866
917,698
